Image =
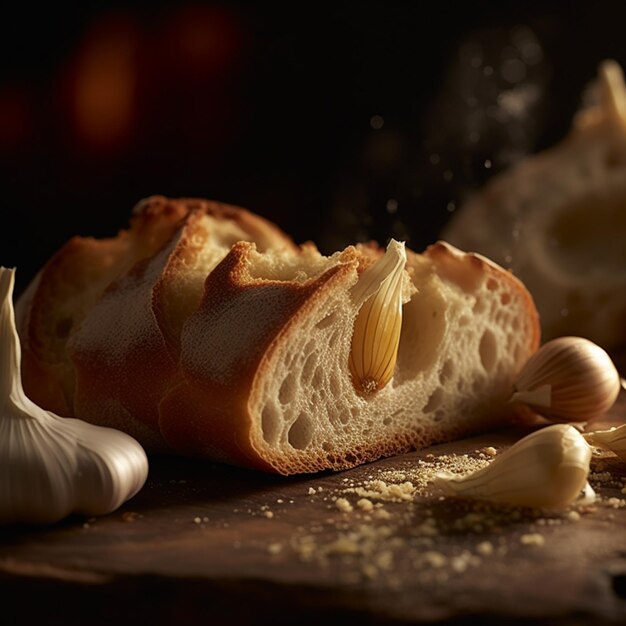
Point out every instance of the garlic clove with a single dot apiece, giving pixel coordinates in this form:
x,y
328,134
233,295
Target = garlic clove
x,y
568,379
546,469
613,439
52,466
378,324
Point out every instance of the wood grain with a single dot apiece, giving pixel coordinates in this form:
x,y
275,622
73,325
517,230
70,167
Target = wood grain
x,y
204,543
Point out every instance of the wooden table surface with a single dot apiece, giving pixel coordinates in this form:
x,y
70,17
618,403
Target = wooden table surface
x,y
203,543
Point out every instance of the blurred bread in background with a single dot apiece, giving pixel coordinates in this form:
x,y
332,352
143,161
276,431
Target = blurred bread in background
x,y
558,220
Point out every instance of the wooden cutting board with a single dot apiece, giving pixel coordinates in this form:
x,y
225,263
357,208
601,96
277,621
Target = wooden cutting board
x,y
207,544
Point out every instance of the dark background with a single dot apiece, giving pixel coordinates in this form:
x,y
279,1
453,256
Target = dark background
x,y
340,121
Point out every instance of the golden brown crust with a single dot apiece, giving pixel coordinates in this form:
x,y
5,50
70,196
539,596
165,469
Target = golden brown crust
x,y
241,319
190,387
466,269
95,267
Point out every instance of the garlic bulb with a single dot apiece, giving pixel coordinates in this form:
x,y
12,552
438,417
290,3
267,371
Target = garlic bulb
x,y
613,439
378,324
548,468
568,379
52,466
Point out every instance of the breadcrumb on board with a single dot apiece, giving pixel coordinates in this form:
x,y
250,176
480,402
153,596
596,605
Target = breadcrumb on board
x,y
363,527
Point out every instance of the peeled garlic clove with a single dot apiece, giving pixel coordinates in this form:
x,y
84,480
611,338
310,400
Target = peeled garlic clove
x,y
546,469
568,379
613,439
378,324
52,466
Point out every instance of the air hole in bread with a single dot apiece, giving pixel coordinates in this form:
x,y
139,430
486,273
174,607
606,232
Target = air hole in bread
x,y
288,389
423,326
327,446
335,384
478,386
464,320
492,284
479,306
327,321
301,432
271,423
438,416
309,368
505,298
344,416
446,371
387,421
488,350
436,398
318,378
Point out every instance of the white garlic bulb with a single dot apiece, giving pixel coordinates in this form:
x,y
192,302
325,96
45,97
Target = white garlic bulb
x,y
569,379
546,469
52,466
613,439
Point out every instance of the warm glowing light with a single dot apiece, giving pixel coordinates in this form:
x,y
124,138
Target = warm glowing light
x,y
15,118
105,83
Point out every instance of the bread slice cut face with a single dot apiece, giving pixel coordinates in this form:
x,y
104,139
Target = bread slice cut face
x,y
240,351
558,219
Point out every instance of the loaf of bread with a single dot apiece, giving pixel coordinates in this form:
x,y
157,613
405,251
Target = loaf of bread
x,y
205,331
558,220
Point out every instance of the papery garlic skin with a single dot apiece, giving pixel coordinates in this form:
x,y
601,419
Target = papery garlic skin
x,y
569,379
547,469
613,439
52,466
378,324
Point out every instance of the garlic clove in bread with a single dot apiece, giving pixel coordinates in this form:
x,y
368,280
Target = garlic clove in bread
x,y
558,221
376,334
240,351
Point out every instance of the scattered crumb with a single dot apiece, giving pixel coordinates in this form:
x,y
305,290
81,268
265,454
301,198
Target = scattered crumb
x,y
129,516
311,491
573,516
275,548
616,503
434,559
268,514
489,451
365,505
532,539
343,505
485,548
197,520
